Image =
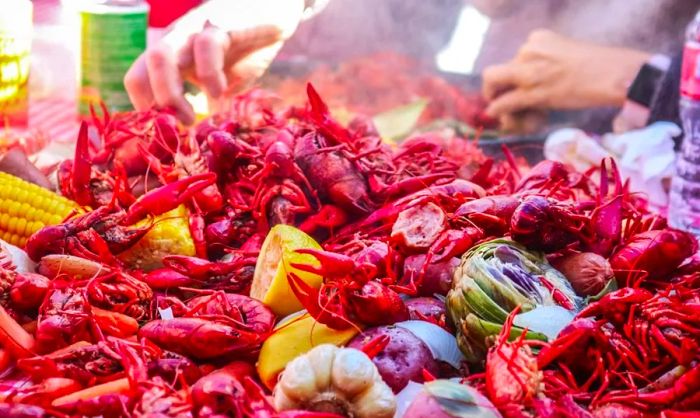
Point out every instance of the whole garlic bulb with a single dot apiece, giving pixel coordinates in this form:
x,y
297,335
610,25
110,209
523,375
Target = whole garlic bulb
x,y
332,379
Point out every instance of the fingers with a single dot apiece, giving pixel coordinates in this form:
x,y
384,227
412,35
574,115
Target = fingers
x,y
166,82
138,86
525,123
208,50
500,78
516,101
245,42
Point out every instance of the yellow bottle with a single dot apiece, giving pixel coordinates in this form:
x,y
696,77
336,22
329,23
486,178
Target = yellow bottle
x,y
15,47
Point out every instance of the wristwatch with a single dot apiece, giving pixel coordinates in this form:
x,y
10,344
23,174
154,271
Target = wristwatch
x,y
645,85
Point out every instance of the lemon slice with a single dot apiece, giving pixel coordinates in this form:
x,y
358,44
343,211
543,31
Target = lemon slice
x,y
293,338
270,284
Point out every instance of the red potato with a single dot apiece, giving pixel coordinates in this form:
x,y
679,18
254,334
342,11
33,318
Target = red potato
x,y
437,277
403,359
428,309
417,227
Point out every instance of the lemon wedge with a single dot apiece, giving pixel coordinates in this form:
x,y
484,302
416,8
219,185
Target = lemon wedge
x,y
270,284
293,338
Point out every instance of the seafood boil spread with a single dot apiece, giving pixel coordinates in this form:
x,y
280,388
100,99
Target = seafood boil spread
x,y
273,261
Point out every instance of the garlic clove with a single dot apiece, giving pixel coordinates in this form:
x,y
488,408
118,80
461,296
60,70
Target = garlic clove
x,y
377,402
321,359
352,371
298,379
281,401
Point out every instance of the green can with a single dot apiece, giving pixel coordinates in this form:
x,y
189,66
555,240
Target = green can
x,y
113,35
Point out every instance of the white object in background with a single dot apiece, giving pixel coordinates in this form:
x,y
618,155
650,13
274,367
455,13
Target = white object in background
x,y
574,147
460,54
646,157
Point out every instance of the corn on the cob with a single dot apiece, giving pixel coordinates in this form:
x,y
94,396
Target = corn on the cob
x,y
26,207
170,235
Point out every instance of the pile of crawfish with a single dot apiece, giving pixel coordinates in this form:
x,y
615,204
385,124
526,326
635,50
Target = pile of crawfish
x,y
383,81
101,337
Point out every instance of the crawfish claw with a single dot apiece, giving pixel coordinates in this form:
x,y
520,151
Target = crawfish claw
x,y
168,197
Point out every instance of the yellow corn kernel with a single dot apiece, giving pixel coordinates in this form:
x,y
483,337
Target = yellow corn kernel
x,y
21,227
170,234
25,208
12,225
31,213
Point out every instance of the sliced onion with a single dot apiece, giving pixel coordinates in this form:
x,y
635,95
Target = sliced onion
x,y
548,320
407,395
441,343
20,259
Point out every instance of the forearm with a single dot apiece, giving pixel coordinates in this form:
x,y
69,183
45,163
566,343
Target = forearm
x,y
612,79
231,15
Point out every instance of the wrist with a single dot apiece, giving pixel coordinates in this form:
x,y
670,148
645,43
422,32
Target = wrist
x,y
623,67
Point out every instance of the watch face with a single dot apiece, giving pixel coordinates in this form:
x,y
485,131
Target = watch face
x,y
644,86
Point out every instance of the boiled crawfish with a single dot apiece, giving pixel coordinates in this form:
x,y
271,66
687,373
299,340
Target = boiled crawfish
x,y
213,326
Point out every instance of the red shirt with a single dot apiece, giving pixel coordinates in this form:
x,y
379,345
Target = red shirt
x,y
164,12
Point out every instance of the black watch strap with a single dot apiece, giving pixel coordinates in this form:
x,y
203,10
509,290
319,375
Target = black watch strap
x,y
643,88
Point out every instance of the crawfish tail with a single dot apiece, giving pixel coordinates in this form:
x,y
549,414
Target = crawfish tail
x,y
200,338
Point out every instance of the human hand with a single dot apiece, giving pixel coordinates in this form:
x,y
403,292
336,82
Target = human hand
x,y
220,47
551,71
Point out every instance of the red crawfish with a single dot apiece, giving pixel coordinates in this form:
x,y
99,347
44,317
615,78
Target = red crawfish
x,y
64,318
282,188
24,392
447,196
105,231
423,228
662,322
491,213
329,218
231,154
24,291
348,293
653,255
79,180
213,326
168,197
121,293
221,391
20,410
430,277
233,275
555,179
681,394
332,174
187,160
83,362
623,342
512,375
229,229
542,224
171,367
94,235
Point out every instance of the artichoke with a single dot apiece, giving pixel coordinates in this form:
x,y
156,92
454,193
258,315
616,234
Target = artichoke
x,y
494,278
